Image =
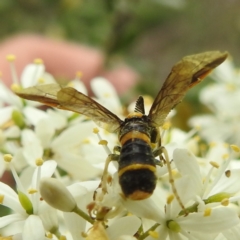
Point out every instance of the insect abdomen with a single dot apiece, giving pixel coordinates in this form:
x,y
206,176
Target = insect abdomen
x,y
137,169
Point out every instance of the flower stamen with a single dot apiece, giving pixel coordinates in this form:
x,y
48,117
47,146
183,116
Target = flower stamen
x,y
153,234
1,198
11,59
235,148
207,212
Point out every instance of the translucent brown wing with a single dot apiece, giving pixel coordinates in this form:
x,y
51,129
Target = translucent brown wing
x,y
68,98
46,94
71,99
184,75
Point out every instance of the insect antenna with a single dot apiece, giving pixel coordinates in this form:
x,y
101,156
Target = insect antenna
x,y
139,107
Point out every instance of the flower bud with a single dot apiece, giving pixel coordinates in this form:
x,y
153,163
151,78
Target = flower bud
x,y
18,119
25,202
218,197
57,195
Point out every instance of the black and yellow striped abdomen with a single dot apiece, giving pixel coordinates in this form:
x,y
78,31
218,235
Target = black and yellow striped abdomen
x,y
136,162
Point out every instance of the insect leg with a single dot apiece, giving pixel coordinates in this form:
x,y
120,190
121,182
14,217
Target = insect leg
x,y
162,151
117,149
111,157
104,179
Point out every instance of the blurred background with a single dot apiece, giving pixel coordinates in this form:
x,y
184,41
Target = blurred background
x,y
150,36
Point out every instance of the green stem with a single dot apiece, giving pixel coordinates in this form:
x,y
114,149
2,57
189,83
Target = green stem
x,y
146,234
82,214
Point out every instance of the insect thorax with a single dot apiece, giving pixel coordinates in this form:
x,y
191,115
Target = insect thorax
x,y
136,126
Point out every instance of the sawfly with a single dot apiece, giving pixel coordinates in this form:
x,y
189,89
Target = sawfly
x,y
138,133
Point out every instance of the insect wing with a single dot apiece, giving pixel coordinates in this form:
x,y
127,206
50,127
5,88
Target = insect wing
x,y
46,94
184,75
76,101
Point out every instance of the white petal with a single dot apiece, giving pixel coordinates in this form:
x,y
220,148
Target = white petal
x,y
163,231
187,165
6,114
34,115
14,229
33,229
186,191
178,236
209,94
19,160
79,189
10,198
106,94
7,96
221,219
48,168
26,176
5,220
217,152
233,233
210,129
17,236
225,106
200,236
228,184
32,148
145,208
2,165
57,119
225,72
202,121
48,78
31,73
221,237
48,216
77,167
12,132
73,136
75,224
44,131
124,226
79,85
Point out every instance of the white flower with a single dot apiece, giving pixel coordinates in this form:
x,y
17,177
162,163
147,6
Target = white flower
x,y
76,148
222,98
204,199
29,212
203,204
106,95
15,112
122,227
63,134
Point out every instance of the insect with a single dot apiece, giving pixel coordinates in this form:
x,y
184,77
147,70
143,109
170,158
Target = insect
x,y
138,132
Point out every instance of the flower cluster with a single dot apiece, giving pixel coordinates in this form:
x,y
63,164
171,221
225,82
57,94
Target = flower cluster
x,y
222,99
57,162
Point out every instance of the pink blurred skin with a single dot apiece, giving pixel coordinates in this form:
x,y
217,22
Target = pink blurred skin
x,y
62,59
